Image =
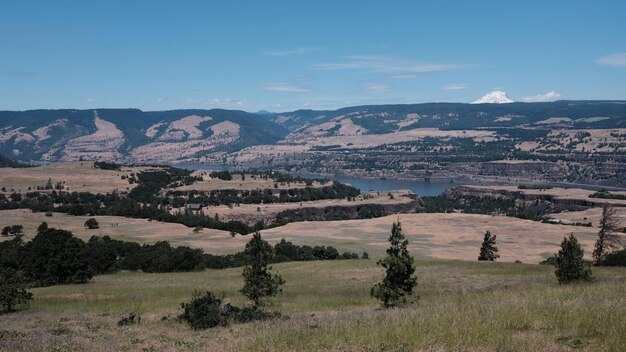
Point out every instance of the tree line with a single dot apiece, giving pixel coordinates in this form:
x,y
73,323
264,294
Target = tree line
x,y
263,196
145,201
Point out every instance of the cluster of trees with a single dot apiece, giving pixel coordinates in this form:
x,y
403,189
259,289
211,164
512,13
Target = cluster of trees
x,y
12,230
541,187
84,203
473,204
145,201
55,257
109,255
151,182
8,162
334,213
266,196
52,257
105,165
222,175
604,194
71,260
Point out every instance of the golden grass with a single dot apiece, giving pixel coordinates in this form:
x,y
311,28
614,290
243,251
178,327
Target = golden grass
x,y
79,176
559,193
137,230
443,236
593,215
251,213
464,306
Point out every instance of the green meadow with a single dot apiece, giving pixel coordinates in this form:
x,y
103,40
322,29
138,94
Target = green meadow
x,y
325,305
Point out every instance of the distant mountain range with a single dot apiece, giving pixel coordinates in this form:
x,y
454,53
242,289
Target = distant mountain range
x,y
132,135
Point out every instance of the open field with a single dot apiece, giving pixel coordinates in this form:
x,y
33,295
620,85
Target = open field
x,y
78,176
559,193
253,212
593,215
137,230
251,182
464,306
443,236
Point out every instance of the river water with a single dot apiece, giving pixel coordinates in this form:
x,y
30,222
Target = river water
x,y
364,184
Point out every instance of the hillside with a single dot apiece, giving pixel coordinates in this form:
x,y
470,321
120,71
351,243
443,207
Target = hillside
x,y
215,136
377,119
8,162
130,134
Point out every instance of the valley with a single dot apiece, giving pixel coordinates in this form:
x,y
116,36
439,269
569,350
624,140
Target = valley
x,y
323,189
438,142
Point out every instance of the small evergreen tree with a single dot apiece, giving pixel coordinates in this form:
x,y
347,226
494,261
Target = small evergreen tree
x,y
488,250
608,241
570,266
399,281
92,224
12,289
258,281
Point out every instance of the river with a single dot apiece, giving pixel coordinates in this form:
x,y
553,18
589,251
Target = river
x,y
364,184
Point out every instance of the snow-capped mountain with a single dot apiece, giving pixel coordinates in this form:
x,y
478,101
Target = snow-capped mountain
x,y
495,97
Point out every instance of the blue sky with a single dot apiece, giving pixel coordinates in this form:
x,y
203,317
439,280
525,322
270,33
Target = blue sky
x,y
287,55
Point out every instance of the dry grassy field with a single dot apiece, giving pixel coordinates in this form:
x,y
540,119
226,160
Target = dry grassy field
x,y
463,306
78,176
561,193
593,215
443,236
137,230
254,212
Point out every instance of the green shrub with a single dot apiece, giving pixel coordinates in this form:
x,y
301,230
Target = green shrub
x,y
130,319
204,311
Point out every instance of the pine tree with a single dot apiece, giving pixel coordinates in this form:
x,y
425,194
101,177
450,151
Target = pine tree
x,y
570,266
258,281
488,250
399,282
608,241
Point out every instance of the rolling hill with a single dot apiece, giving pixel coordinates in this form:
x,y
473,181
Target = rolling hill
x,y
132,135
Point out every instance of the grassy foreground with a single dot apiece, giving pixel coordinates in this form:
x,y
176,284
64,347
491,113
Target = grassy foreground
x,y
464,306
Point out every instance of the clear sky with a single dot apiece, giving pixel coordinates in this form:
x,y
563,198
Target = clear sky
x,y
287,55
